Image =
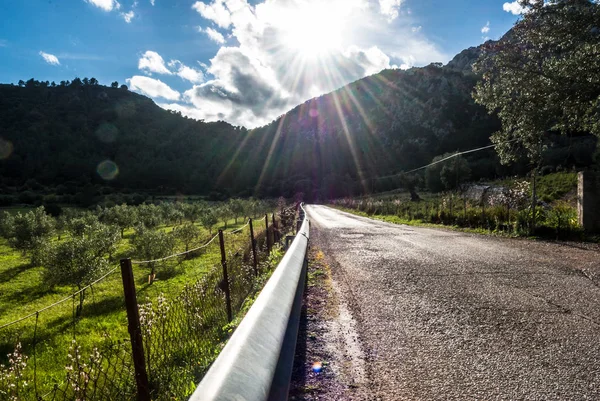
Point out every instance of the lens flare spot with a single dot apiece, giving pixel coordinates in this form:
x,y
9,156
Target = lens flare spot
x,y
313,113
6,148
108,170
107,133
317,367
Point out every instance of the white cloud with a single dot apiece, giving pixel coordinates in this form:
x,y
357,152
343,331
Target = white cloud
x,y
390,8
152,87
215,11
128,16
276,63
49,58
152,62
152,2
214,35
486,28
188,73
106,5
514,8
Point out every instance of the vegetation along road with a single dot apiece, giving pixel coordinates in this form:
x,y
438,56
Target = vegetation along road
x,y
448,315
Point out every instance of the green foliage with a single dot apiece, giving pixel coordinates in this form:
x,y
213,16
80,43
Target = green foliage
x,y
447,174
79,260
151,244
208,219
122,216
25,231
187,233
543,76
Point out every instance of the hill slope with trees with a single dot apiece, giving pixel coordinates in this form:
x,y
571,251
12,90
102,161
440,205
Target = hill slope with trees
x,y
83,140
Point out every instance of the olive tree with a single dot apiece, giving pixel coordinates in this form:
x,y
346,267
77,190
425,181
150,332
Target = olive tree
x,y
187,233
208,219
79,260
151,244
26,231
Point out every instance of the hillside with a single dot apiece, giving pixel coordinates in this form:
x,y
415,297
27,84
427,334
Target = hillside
x,y
330,146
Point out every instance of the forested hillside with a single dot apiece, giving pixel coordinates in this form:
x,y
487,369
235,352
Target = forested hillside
x,y
54,138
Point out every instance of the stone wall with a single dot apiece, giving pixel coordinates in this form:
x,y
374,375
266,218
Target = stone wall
x,y
588,200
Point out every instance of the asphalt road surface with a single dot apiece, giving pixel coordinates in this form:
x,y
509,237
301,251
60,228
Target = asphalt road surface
x,y
443,315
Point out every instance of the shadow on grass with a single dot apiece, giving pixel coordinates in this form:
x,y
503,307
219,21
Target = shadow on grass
x,y
13,272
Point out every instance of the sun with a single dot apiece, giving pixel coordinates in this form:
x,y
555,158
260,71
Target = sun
x,y
313,30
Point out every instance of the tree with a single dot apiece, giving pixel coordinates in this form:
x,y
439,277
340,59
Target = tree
x,y
237,208
21,83
28,231
124,87
208,219
114,85
152,244
122,216
78,261
187,233
149,215
93,81
225,214
544,75
455,172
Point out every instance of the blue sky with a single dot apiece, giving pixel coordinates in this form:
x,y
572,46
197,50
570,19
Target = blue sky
x,y
242,61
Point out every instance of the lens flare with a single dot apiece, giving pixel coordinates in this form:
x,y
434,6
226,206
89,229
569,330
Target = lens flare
x,y
6,148
108,170
107,133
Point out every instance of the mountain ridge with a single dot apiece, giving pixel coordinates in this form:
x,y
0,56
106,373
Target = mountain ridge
x,y
330,146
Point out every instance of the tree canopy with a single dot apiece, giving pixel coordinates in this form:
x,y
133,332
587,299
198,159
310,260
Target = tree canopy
x,y
543,76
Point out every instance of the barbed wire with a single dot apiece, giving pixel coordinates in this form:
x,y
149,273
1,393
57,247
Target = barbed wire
x,y
61,301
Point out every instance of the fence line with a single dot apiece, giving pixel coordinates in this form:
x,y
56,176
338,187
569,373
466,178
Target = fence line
x,y
143,262
135,262
61,301
188,326
239,229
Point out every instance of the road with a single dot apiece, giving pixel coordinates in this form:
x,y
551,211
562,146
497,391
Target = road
x,y
444,315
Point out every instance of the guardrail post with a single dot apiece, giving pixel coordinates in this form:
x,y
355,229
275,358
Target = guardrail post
x,y
225,277
268,234
135,332
253,244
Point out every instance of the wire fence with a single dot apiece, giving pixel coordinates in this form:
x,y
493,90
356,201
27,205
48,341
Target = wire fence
x,y
51,357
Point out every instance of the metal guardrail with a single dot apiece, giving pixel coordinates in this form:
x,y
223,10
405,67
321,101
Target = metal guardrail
x,y
256,363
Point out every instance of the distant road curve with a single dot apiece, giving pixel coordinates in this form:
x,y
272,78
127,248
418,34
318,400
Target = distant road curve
x,y
443,315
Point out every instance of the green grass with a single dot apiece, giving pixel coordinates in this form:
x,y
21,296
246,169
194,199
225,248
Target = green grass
x,y
23,291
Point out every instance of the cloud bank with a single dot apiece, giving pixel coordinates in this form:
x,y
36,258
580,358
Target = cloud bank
x,y
280,53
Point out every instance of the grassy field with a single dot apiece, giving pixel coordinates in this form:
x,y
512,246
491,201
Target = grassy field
x,y
23,291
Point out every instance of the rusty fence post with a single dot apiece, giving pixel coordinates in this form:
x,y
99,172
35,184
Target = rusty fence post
x,y
135,332
269,243
253,244
225,286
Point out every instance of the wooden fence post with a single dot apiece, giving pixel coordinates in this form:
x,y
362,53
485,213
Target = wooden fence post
x,y
253,244
268,234
135,332
275,229
225,277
